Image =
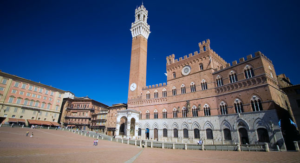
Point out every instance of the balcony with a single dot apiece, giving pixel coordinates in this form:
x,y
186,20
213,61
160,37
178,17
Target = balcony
x,y
78,108
76,123
98,120
78,117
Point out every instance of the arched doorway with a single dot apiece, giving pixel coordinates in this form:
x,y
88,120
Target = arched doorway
x,y
123,126
155,134
147,133
243,136
263,135
132,127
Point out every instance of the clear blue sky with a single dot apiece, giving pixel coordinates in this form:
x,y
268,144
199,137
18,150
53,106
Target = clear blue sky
x,y
85,46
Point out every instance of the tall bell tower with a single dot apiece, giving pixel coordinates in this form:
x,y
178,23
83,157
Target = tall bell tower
x,y
140,31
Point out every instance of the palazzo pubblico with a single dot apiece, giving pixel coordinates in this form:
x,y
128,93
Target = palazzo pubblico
x,y
204,97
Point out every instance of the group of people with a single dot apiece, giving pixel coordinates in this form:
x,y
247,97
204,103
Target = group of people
x,y
27,133
95,142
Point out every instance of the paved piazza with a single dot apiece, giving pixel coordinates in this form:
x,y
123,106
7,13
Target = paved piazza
x,y
62,146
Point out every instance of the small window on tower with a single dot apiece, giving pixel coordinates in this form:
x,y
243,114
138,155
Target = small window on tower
x,y
138,16
144,18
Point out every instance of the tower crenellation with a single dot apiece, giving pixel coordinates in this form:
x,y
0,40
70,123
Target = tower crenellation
x,y
140,25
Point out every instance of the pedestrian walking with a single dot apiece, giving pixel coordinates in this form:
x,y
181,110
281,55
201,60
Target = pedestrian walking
x,y
31,135
27,133
96,142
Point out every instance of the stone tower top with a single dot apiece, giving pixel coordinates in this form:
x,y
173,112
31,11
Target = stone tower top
x,y
140,26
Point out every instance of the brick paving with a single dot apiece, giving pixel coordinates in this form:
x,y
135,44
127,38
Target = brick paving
x,y
62,146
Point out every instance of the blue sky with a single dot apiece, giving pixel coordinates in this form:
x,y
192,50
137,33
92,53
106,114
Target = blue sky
x,y
85,46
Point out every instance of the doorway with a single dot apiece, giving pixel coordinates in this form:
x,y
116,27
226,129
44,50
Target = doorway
x,y
155,134
243,136
132,127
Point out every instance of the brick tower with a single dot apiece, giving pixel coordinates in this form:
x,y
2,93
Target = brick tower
x,y
140,31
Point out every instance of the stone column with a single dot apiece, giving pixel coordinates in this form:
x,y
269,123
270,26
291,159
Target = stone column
x,y
151,144
267,147
163,145
173,145
185,146
296,146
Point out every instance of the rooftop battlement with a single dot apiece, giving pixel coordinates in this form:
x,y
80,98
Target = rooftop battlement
x,y
241,60
155,86
203,46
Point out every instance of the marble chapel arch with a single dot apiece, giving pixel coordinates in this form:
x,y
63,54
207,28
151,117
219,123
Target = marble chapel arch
x,y
204,97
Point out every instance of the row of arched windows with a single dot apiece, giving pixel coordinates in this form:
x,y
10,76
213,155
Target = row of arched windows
x,y
256,105
248,72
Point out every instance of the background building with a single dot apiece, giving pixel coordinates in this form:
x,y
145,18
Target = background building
x,y
27,102
77,113
204,98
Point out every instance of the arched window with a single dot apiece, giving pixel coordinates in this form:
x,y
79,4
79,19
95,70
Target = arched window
x,y
256,104
165,132
195,111
175,133
43,105
196,133
174,92
138,16
193,87
248,72
164,92
155,94
219,81
37,103
11,99
174,75
263,135
26,101
148,95
206,110
183,90
147,114
155,114
201,66
203,85
164,113
185,133
223,108
19,100
232,77
227,134
31,103
183,112
238,105
175,113
209,134
48,106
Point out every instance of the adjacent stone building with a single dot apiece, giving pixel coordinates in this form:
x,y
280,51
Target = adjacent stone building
x,y
204,97
23,101
112,118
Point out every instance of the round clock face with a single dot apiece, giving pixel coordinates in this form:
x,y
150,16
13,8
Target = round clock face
x,y
132,86
186,70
